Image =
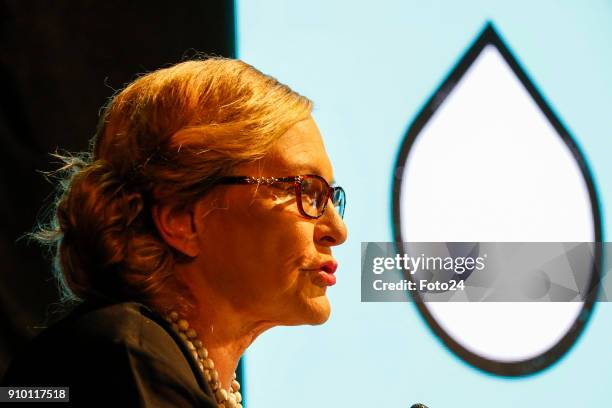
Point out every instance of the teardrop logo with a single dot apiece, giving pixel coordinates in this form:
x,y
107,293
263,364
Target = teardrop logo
x,y
487,160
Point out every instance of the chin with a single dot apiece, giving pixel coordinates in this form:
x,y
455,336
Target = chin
x,y
320,310
313,311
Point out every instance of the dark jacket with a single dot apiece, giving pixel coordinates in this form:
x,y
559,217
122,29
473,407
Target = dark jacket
x,y
113,355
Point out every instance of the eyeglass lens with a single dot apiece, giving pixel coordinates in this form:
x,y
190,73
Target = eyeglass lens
x,y
314,194
339,200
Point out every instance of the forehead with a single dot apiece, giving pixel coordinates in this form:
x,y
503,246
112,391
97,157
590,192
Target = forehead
x,y
299,151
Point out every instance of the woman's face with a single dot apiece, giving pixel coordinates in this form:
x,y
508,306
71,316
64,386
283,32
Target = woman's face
x,y
257,251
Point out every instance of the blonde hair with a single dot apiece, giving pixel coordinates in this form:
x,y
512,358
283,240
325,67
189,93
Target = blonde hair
x,y
166,137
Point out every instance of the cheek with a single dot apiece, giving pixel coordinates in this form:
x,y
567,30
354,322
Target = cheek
x,y
258,254
276,256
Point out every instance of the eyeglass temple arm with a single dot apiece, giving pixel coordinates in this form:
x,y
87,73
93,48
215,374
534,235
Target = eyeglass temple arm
x,y
235,180
256,180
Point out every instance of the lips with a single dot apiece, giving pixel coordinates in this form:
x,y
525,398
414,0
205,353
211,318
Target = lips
x,y
329,266
327,278
325,273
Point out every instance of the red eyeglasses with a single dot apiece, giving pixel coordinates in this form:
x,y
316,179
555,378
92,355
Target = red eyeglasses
x,y
312,192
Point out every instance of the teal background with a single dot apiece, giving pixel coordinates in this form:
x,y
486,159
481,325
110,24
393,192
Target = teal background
x,y
369,67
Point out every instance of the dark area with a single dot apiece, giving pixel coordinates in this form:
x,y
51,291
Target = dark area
x,y
59,62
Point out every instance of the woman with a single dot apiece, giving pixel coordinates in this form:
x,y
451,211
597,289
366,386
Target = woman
x,y
202,217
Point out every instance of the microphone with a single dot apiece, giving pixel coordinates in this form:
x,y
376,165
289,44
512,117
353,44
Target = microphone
x,y
418,405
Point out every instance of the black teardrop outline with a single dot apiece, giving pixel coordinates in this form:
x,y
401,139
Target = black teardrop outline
x,y
489,36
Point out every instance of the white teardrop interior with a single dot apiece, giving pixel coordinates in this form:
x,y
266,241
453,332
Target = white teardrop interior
x,y
489,166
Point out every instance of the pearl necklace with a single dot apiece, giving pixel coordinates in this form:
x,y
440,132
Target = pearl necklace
x,y
225,399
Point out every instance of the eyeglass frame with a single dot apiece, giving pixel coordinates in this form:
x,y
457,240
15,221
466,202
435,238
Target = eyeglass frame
x,y
297,182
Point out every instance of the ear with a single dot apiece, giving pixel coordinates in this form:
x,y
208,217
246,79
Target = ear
x,y
177,228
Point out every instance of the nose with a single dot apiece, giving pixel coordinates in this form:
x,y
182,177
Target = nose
x,y
330,229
